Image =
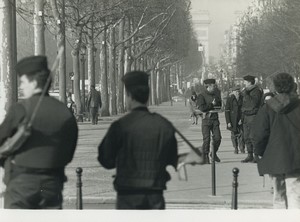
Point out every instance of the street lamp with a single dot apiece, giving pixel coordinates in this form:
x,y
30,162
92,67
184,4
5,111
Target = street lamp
x,y
201,50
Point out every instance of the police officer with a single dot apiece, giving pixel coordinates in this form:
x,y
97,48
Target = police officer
x,y
139,145
252,96
34,175
209,101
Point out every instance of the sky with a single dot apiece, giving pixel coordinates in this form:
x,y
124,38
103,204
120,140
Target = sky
x,y
222,15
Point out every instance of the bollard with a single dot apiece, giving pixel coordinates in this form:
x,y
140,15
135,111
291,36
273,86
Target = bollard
x,y
234,204
79,191
213,171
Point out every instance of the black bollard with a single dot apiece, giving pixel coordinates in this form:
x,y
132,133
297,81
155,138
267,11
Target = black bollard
x,y
234,202
213,172
79,191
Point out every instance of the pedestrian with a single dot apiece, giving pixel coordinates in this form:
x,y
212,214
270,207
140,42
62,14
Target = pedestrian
x,y
252,96
94,102
209,102
276,136
71,105
195,113
233,115
140,145
34,174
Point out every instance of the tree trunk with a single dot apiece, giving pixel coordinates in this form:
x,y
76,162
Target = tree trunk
x,y
90,54
6,68
112,77
75,57
103,75
61,42
38,21
120,95
82,72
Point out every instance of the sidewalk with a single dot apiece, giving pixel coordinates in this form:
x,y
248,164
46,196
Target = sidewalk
x,y
195,193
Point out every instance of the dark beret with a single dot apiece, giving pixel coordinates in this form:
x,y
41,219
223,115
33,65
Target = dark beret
x,y
135,78
32,64
209,81
249,78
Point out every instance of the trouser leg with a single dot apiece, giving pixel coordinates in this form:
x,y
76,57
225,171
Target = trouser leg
x,y
206,128
279,195
293,190
216,135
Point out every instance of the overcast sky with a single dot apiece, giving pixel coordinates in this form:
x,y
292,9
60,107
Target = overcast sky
x,y
222,15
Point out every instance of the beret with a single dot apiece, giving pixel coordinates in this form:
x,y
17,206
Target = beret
x,y
249,78
32,64
135,78
209,81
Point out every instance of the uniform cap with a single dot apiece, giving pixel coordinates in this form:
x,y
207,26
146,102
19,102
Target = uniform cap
x,y
209,81
32,64
135,78
249,78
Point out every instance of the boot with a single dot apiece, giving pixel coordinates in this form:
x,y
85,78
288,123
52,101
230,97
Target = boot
x,y
206,159
248,159
236,150
217,159
255,159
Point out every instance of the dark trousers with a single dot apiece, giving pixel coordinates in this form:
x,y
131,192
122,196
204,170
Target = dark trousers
x,y
211,127
33,191
247,127
237,139
140,201
94,112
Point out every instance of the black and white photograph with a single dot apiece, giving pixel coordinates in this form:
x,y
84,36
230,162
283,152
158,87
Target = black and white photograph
x,y
149,110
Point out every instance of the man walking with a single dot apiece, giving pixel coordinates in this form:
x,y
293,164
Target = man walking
x,y
233,116
251,103
139,145
209,102
94,102
276,134
34,175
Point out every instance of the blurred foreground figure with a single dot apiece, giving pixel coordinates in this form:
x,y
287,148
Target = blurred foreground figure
x,y
34,175
276,134
139,145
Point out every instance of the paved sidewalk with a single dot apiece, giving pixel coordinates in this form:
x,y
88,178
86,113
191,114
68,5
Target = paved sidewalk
x,y
254,192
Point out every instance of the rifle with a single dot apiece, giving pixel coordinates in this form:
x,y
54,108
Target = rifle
x,y
14,143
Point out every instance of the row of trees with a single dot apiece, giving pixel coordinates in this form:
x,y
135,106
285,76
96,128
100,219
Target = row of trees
x,y
153,35
269,39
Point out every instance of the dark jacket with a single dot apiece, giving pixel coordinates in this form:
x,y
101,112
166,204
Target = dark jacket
x,y
233,112
139,145
204,103
251,100
94,99
54,133
277,135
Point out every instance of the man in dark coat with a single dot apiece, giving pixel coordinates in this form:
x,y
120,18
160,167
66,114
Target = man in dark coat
x,y
276,135
34,175
233,116
139,145
209,102
252,96
94,102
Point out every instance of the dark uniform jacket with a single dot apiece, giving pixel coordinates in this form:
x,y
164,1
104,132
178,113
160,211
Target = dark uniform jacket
x,y
277,135
204,103
54,133
139,145
233,112
251,100
94,99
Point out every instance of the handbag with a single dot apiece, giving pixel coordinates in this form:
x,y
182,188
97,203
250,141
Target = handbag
x,y
15,142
